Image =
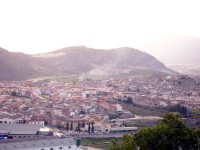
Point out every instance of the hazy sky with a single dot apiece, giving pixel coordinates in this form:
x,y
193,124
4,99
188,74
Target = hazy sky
x,y
36,26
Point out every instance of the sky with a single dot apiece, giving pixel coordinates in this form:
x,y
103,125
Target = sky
x,y
38,26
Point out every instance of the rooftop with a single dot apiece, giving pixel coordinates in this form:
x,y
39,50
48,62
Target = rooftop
x,y
36,143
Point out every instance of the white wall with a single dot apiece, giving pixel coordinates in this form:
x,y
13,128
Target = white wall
x,y
6,120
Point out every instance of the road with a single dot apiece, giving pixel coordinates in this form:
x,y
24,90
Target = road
x,y
113,135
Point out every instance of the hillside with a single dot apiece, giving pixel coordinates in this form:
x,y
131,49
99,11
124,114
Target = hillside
x,y
75,61
15,66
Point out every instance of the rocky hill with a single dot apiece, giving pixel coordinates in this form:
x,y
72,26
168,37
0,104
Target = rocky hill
x,y
75,61
16,66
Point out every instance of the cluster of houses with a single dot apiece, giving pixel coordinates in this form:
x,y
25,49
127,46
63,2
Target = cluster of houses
x,y
86,106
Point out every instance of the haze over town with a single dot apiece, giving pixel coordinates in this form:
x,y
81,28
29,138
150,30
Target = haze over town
x,y
36,27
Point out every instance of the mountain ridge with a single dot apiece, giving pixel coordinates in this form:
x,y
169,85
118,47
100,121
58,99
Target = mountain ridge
x,y
75,61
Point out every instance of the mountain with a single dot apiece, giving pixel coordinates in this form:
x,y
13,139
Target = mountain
x,y
15,66
77,60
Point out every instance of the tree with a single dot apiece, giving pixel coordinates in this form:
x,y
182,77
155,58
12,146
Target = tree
x,y
175,108
178,108
129,100
79,125
71,127
170,134
173,121
89,127
82,112
92,127
67,126
197,131
115,145
128,143
125,124
83,124
13,93
183,110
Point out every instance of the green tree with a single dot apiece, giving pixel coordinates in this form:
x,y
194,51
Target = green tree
x,y
128,143
67,126
170,134
79,127
71,127
125,124
92,129
82,112
129,100
83,124
183,110
115,145
197,131
13,93
89,127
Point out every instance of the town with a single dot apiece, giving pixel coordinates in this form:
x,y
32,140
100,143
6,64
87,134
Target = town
x,y
77,105
89,108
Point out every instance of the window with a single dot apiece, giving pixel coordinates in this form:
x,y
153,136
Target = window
x,y
69,147
42,149
51,148
60,147
1,121
5,121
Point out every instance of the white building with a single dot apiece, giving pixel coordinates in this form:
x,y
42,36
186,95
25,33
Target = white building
x,y
85,95
67,143
7,121
40,122
119,108
164,104
16,131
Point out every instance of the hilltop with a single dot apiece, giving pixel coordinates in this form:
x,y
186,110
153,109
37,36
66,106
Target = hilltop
x,y
76,61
